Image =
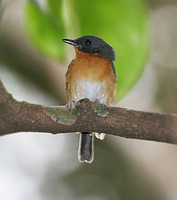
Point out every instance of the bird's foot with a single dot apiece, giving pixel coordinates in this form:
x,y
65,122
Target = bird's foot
x,y
103,103
70,105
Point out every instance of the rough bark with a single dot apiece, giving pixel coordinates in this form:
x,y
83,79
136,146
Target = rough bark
x,y
86,116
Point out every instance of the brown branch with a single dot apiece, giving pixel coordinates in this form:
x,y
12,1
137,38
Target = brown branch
x,y
86,116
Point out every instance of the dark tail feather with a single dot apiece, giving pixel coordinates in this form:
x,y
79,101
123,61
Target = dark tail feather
x,y
86,147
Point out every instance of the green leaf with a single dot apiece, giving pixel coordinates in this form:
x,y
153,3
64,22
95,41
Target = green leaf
x,y
124,24
46,28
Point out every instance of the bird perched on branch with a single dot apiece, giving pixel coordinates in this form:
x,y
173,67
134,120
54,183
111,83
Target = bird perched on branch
x,y
90,75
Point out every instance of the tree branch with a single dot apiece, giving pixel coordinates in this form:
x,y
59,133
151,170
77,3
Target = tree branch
x,y
87,116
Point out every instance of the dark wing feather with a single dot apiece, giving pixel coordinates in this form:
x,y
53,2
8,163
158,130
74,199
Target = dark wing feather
x,y
114,70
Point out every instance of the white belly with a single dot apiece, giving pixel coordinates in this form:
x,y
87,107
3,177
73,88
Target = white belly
x,y
91,90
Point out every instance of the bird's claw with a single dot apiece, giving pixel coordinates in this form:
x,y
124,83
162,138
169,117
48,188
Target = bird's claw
x,y
70,105
103,103
97,100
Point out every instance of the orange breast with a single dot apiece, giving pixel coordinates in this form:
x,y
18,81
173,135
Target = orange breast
x,y
86,69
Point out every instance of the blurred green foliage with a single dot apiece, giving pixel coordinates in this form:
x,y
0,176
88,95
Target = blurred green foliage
x,y
46,27
124,24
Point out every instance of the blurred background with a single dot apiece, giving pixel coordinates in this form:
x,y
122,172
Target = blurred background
x,y
33,62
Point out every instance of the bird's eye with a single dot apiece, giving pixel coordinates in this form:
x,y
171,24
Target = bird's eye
x,y
87,42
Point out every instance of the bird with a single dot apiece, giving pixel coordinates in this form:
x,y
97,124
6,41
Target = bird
x,y
91,74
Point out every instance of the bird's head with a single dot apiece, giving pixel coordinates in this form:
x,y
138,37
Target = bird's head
x,y
91,45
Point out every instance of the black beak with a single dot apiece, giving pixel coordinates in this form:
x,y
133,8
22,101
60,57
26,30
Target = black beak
x,y
71,42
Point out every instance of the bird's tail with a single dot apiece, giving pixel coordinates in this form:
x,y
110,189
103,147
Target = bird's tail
x,y
86,147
